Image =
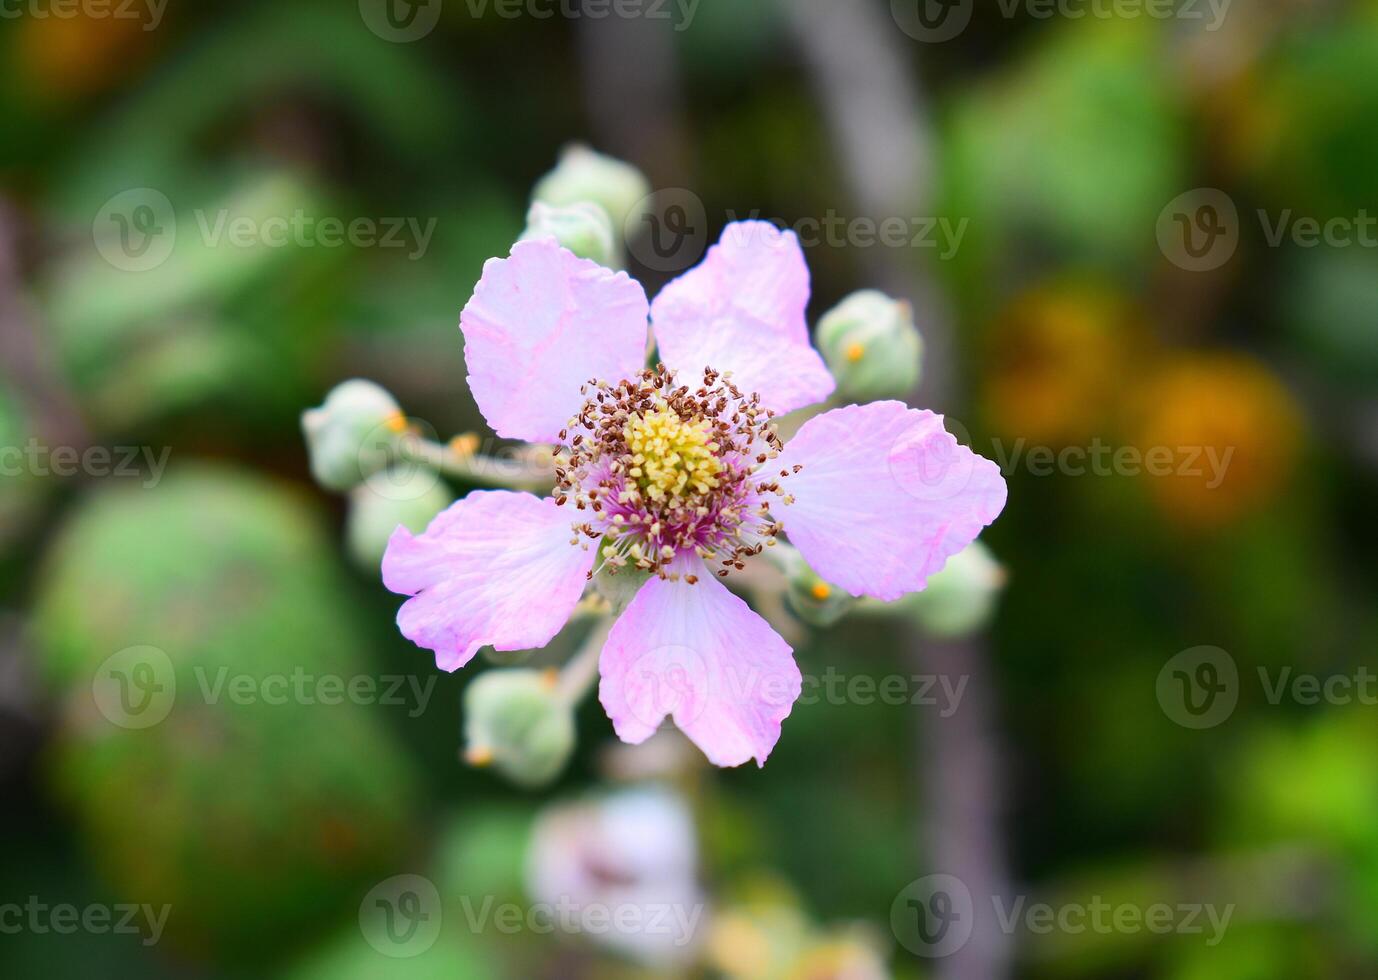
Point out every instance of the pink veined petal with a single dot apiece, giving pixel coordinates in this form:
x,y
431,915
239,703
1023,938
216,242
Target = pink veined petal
x,y
886,495
496,568
699,653
742,310
541,323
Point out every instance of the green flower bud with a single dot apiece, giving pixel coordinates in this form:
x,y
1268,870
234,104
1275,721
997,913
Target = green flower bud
x,y
813,600
518,721
872,346
959,599
583,228
410,498
583,175
346,436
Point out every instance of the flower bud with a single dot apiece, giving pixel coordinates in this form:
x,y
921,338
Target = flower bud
x,y
583,175
411,498
813,600
518,721
584,228
345,436
960,598
872,346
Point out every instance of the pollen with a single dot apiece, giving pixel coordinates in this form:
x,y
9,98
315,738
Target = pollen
x,y
821,591
672,457
856,352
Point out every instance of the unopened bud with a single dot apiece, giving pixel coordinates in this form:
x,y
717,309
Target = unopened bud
x,y
411,499
813,600
584,228
960,599
349,436
872,346
583,175
519,722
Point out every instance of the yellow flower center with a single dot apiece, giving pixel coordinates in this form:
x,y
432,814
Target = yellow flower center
x,y
671,457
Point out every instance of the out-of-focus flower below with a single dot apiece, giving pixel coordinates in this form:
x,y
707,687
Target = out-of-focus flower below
x,y
630,857
768,937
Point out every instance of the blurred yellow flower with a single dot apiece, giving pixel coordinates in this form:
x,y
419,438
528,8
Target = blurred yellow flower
x,y
1058,359
68,57
1222,406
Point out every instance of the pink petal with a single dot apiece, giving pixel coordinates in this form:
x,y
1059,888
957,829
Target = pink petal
x,y
542,323
742,310
885,497
496,568
698,652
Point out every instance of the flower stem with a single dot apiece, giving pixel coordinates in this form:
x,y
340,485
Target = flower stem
x,y
579,673
521,471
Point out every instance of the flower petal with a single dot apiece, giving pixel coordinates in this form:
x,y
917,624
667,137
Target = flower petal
x,y
698,652
886,495
496,568
541,323
742,310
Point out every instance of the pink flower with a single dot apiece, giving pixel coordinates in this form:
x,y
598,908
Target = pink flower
x,y
677,471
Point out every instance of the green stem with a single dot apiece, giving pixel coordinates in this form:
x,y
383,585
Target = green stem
x,y
488,471
579,673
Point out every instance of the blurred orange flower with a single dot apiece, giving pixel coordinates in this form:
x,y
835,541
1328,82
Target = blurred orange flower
x,y
74,55
1058,361
1238,419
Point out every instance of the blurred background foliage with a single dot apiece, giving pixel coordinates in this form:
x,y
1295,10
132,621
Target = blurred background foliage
x,y
1059,140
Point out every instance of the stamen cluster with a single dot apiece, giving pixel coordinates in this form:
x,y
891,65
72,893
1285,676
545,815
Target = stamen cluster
x,y
660,470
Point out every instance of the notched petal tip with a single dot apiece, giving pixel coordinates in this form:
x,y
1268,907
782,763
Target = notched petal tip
x,y
700,655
